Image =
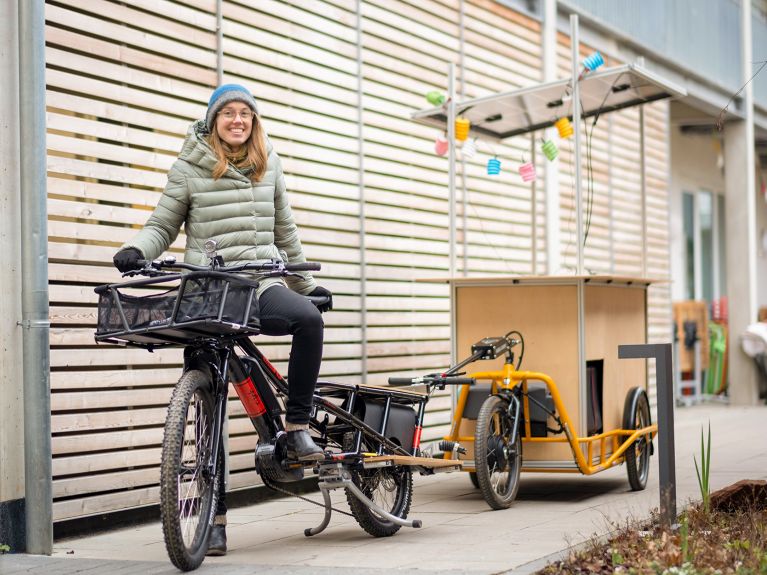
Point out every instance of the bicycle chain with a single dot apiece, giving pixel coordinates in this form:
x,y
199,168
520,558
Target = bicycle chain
x,y
271,485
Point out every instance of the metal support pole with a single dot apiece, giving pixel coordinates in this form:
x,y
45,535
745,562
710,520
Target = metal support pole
x,y
643,188
665,385
534,211
219,42
362,212
34,255
464,187
576,107
551,191
451,163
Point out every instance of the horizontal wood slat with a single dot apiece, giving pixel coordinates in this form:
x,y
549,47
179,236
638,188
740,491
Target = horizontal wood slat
x,y
125,80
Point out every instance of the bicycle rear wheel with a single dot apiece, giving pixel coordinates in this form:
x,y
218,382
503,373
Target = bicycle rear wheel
x,y
391,488
188,485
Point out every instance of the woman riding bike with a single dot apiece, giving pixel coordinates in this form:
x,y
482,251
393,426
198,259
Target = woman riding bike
x,y
227,185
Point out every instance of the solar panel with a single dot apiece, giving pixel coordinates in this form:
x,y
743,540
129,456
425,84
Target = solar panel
x,y
536,107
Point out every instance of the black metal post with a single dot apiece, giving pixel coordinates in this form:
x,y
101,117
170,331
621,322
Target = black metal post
x,y
661,352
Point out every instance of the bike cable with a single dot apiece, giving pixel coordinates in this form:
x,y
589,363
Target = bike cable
x,y
271,485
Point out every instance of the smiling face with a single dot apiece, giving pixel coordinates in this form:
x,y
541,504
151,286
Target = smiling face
x,y
234,124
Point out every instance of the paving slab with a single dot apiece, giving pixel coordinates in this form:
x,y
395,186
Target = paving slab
x,y
461,534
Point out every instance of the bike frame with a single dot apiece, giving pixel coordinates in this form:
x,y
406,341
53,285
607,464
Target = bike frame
x,y
505,380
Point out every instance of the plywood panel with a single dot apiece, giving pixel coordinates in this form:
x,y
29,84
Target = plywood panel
x,y
615,316
547,317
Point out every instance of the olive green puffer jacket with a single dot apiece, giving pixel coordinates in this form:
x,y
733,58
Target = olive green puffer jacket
x,y
249,221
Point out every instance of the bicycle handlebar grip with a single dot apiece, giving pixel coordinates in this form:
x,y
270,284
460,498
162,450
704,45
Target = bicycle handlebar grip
x,y
303,267
400,381
459,381
142,263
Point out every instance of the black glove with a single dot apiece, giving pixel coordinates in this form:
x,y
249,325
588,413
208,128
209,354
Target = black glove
x,y
127,259
320,291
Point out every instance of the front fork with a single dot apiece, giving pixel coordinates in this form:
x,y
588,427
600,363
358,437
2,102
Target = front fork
x,y
215,364
513,411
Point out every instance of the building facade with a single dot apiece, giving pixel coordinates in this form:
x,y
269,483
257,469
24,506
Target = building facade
x,y
336,82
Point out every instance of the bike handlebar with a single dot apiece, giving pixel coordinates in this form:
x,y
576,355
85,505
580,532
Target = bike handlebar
x,y
440,380
275,266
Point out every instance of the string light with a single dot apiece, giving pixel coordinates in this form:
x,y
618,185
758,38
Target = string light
x,y
435,98
550,150
441,145
564,127
593,62
527,171
469,149
493,167
462,126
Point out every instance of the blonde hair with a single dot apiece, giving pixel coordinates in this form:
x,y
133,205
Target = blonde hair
x,y
252,155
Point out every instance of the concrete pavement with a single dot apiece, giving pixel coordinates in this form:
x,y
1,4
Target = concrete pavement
x,y
460,533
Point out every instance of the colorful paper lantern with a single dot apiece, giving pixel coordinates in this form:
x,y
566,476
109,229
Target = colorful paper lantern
x,y
435,98
564,127
462,126
593,62
550,150
441,145
493,167
469,149
527,171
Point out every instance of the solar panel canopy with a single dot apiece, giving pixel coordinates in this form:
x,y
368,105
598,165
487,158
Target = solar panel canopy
x,y
536,107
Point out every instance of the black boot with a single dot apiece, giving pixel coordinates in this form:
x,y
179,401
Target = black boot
x,y
217,540
301,447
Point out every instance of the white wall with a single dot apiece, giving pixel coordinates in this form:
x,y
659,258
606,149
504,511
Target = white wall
x,y
694,166
761,259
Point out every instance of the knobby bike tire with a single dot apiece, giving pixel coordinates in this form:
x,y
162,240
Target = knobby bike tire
x,y
636,415
498,463
473,478
188,491
394,484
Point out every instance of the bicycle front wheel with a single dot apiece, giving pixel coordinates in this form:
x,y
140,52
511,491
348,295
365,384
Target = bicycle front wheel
x,y
188,484
498,459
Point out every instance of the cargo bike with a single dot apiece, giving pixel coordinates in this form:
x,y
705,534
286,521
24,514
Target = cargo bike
x,y
371,435
518,409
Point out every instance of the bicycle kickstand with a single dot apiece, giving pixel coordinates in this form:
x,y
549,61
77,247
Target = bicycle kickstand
x,y
335,476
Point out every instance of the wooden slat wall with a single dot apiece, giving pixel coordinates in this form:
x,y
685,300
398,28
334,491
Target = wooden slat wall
x,y
126,78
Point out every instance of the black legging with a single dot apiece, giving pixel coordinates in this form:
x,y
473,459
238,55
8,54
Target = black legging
x,y
284,312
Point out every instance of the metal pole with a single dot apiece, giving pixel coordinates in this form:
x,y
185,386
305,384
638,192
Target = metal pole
x,y
219,43
575,42
464,187
533,210
451,163
362,213
663,373
11,378
551,193
34,255
643,188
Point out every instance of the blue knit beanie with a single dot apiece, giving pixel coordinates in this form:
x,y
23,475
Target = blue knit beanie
x,y
224,94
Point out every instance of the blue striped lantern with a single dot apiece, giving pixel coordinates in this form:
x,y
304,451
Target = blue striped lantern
x,y
493,167
593,62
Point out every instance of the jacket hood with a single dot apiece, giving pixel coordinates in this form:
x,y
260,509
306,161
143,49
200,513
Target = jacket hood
x,y
196,149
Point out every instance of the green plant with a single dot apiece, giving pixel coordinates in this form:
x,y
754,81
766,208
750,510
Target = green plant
x,y
4,549
616,558
684,539
703,471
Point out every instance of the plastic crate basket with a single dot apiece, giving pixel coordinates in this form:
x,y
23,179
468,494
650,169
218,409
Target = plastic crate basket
x,y
203,304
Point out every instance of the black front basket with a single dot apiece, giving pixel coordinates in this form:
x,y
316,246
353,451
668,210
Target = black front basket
x,y
203,304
